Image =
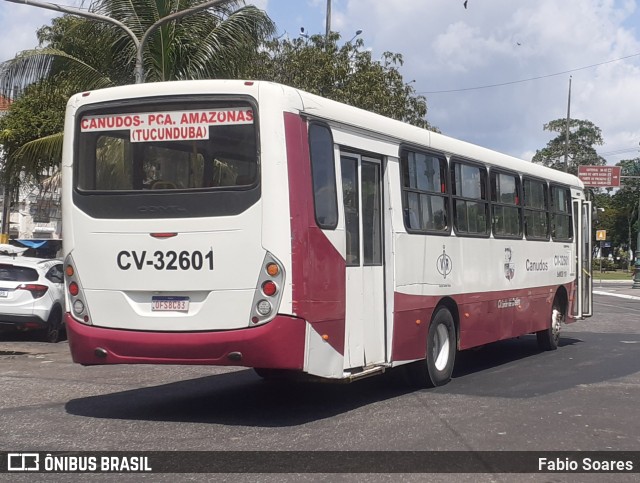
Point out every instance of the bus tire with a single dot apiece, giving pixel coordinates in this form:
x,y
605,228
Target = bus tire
x,y
437,368
549,338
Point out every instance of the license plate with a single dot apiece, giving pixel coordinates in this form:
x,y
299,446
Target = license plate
x,y
169,304
4,293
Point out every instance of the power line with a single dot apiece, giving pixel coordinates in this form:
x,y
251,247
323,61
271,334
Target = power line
x,y
529,79
619,152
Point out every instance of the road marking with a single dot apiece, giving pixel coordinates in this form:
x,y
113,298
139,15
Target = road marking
x,y
600,304
620,295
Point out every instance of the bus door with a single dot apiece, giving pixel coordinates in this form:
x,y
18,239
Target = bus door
x,y
365,311
583,306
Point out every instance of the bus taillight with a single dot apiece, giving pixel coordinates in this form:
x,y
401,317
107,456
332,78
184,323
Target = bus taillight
x,y
273,269
75,295
269,288
264,308
268,294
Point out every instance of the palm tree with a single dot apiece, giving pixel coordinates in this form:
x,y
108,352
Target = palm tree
x,y
78,54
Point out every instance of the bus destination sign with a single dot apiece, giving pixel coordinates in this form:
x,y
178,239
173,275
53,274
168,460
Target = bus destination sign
x,y
600,176
167,126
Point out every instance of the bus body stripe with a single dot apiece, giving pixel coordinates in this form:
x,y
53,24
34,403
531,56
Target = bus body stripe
x,y
318,269
280,343
484,317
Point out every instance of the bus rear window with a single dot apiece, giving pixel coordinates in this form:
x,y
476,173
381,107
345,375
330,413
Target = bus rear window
x,y
184,147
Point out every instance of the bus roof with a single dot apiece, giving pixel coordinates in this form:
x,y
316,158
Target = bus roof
x,y
320,107
332,111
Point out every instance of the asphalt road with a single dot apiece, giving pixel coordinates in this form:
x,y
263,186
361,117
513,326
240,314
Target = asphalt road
x,y
505,396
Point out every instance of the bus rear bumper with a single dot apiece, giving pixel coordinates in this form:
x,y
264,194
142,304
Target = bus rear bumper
x,y
278,344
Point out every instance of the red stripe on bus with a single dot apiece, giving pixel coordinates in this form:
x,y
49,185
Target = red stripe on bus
x,y
318,270
483,317
280,343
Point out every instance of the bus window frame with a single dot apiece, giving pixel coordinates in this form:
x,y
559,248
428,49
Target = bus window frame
x,y
446,195
324,226
487,201
519,194
545,210
553,212
193,203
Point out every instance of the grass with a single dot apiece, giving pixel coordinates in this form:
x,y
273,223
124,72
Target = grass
x,y
615,275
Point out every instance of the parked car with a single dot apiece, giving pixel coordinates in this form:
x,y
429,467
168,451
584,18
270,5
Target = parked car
x,y
32,296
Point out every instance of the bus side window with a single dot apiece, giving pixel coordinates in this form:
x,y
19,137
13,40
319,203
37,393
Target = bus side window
x,y
470,200
561,214
505,198
323,176
411,219
424,192
536,211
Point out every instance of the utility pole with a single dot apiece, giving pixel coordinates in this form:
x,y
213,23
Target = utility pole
x,y
636,278
6,214
636,271
6,190
566,142
328,23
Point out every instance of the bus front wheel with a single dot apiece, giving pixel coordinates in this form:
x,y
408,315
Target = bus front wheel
x,y
437,368
549,338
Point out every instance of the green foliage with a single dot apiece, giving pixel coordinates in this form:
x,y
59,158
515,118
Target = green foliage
x,y
604,265
583,136
346,73
620,215
207,44
77,54
36,114
83,41
626,202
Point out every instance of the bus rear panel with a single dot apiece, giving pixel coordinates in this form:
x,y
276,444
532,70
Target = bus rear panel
x,y
167,261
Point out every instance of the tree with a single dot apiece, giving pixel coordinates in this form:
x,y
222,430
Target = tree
x,y
34,115
77,54
345,73
627,200
583,136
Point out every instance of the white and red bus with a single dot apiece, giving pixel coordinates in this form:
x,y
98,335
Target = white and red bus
x,y
252,224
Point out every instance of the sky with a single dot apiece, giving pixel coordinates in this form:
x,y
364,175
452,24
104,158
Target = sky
x,y
492,73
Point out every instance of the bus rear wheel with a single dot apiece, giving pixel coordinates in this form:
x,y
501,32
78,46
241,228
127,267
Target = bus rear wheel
x,y
437,368
549,338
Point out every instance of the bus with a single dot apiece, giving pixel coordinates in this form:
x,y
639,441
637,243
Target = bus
x,y
247,223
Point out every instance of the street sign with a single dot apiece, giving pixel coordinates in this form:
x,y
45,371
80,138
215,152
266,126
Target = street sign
x,y
601,235
599,176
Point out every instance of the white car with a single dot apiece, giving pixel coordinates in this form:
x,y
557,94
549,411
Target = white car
x,y
32,296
